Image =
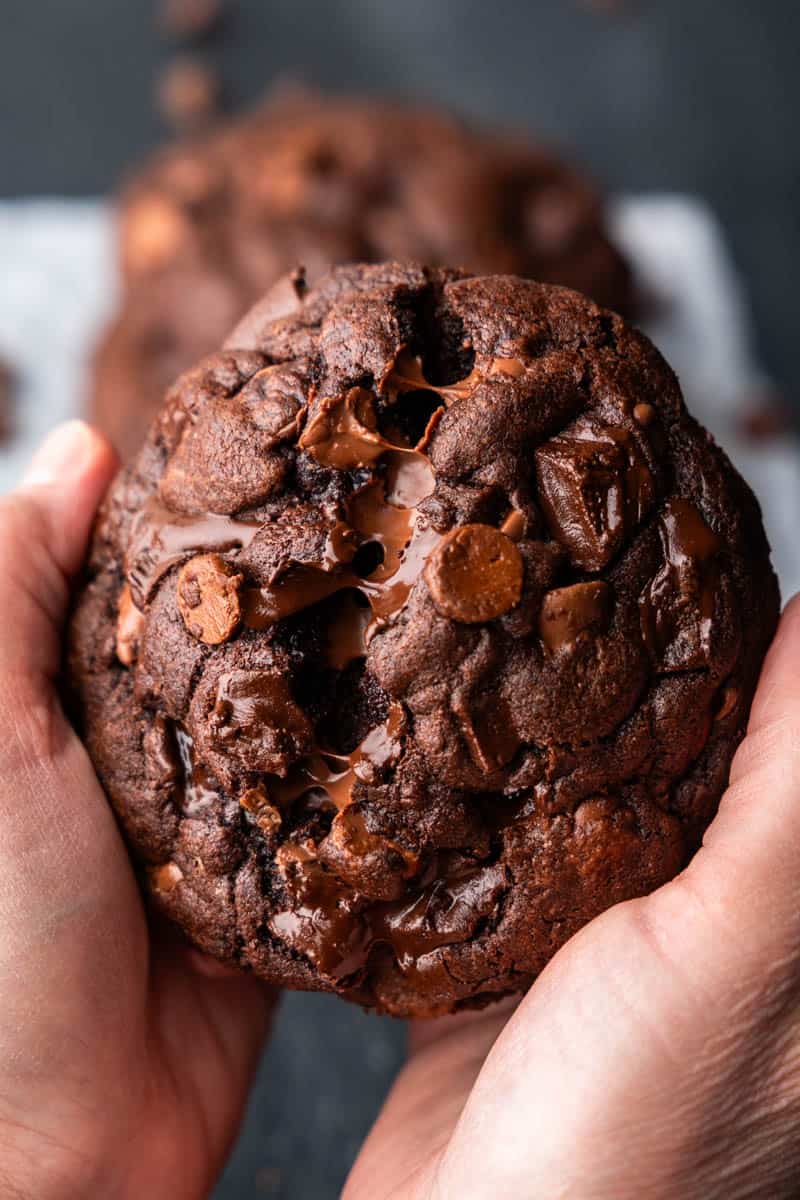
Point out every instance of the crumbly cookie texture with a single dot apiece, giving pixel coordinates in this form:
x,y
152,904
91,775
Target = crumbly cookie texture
x,y
210,224
422,630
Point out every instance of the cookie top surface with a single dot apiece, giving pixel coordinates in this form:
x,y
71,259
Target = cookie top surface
x,y
423,629
310,180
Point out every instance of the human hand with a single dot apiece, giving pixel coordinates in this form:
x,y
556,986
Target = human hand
x,y
658,1055
124,1059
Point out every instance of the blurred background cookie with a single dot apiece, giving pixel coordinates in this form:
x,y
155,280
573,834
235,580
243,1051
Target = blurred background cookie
x,y
311,179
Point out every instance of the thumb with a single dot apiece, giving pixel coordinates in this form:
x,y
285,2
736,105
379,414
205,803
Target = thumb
x,y
44,526
748,862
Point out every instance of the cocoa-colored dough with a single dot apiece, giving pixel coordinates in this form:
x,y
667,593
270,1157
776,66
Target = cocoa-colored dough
x,y
208,225
423,629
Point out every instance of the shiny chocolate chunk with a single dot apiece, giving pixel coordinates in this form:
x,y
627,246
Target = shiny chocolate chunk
x,y
677,605
570,611
595,489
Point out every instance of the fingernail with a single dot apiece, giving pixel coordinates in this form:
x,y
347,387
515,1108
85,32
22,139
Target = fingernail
x,y
62,455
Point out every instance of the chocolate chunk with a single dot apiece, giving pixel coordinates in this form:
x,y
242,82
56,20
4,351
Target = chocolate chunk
x,y
256,722
594,490
678,605
567,612
474,574
208,598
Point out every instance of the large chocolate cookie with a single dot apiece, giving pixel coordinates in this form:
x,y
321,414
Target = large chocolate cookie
x,y
209,225
423,629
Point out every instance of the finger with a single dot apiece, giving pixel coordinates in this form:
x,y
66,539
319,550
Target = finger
x,y
58,840
68,899
648,999
423,1033
401,1154
222,1013
44,527
748,862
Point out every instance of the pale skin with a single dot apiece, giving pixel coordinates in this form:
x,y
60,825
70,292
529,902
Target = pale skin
x,y
658,1055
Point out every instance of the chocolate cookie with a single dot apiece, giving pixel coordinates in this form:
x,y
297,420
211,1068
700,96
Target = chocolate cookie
x,y
423,629
317,181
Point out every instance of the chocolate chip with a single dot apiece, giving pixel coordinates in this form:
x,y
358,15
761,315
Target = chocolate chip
x,y
208,598
474,574
130,625
645,414
567,612
256,723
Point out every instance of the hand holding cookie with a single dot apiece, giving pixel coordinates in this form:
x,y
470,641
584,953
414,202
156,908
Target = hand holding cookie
x,y
657,1055
124,1057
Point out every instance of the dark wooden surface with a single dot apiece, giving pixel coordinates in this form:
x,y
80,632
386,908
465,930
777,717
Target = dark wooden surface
x,y
686,95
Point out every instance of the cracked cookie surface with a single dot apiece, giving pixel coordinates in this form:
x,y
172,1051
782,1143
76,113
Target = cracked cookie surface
x,y
422,630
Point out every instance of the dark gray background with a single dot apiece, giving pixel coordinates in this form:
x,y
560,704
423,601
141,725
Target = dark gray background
x,y
700,95
694,95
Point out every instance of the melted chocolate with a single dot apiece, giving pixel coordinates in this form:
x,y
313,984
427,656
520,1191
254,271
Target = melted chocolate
x,y
161,538
199,789
677,606
443,913
407,375
336,774
328,927
322,922
346,632
326,920
343,433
